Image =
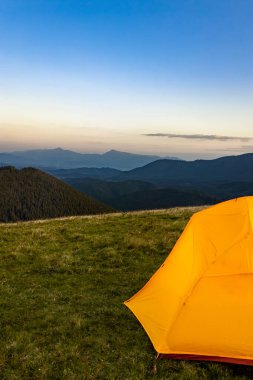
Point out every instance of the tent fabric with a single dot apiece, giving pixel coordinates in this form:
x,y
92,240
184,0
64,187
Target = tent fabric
x,y
199,304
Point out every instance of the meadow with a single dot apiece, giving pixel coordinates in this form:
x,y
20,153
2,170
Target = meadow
x,y
62,287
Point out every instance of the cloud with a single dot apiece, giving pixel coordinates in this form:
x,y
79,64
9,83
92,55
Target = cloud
x,y
199,137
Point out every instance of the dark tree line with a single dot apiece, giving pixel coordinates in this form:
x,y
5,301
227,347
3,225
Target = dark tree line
x,y
30,194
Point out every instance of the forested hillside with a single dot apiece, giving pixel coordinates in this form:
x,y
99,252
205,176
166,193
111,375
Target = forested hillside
x,y
30,194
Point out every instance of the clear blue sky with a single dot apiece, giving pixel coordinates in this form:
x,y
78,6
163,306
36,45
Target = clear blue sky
x,y
95,75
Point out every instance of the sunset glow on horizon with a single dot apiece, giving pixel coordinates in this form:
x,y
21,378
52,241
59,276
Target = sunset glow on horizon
x,y
153,77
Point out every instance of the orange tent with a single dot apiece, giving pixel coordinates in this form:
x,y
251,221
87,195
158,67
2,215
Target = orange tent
x,y
199,304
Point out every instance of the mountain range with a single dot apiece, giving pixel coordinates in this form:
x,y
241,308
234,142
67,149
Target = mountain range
x,y
229,168
159,184
166,183
165,172
66,159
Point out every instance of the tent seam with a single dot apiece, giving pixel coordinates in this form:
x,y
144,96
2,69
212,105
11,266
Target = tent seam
x,y
185,297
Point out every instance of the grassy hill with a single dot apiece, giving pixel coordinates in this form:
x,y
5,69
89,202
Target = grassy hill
x,y
29,194
62,287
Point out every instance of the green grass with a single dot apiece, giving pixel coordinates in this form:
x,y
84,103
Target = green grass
x,y
62,285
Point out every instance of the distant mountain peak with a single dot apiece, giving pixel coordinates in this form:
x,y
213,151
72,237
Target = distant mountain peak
x,y
119,152
65,159
113,151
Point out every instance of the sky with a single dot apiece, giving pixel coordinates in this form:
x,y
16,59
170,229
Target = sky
x,y
167,77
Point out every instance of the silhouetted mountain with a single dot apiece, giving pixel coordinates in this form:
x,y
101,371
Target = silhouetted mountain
x,y
207,180
66,159
107,191
230,168
160,198
58,158
227,190
138,195
127,161
99,173
29,194
11,159
234,189
170,172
